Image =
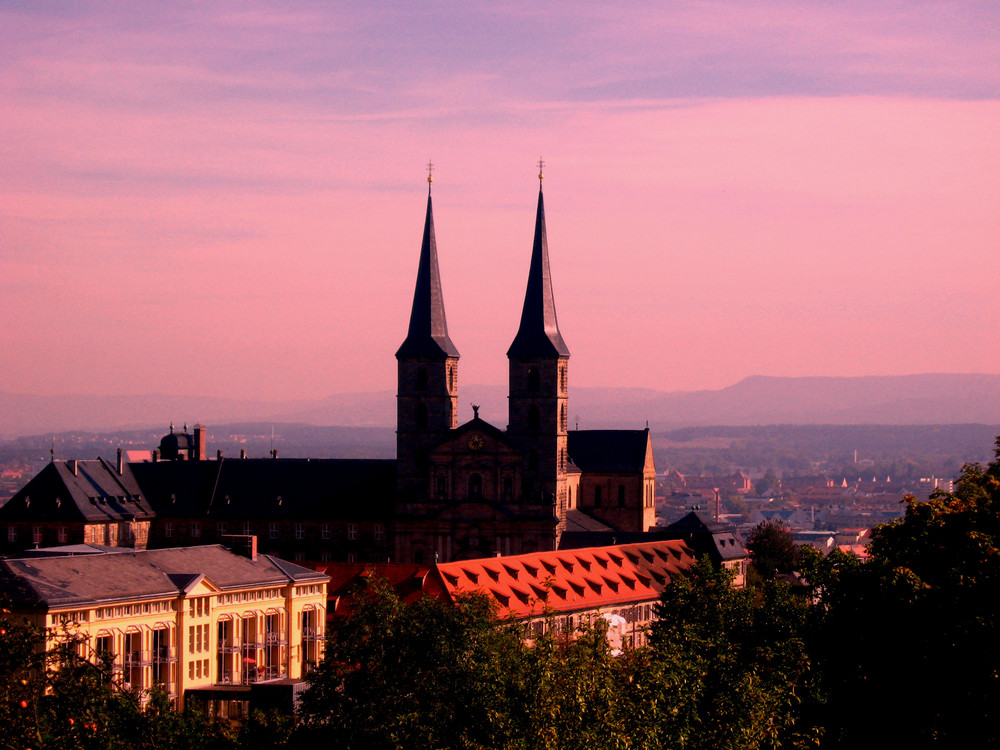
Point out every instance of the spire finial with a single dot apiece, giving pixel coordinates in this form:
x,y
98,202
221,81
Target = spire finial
x,y
541,176
430,175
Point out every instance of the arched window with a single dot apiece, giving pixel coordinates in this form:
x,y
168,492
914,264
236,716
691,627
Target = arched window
x,y
421,415
534,380
534,418
476,485
562,418
508,489
451,379
421,379
442,486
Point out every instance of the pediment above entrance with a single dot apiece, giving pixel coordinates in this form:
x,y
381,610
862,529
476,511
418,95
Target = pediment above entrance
x,y
476,437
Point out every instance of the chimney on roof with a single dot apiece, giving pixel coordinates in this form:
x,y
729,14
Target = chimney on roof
x,y
274,452
121,462
218,455
156,454
242,544
200,448
74,466
243,452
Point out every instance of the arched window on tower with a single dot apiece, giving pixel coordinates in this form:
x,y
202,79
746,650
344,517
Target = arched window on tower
x,y
451,379
562,418
534,418
534,380
508,489
422,415
422,379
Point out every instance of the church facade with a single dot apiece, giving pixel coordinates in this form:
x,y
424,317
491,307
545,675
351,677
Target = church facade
x,y
473,490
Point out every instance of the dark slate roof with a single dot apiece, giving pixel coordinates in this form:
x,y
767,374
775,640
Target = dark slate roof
x,y
121,576
577,520
174,443
608,451
538,334
428,333
95,493
270,488
707,536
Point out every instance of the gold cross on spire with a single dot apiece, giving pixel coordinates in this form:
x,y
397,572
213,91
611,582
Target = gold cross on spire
x,y
430,174
541,166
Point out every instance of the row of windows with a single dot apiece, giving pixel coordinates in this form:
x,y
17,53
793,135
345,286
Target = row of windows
x,y
127,610
648,499
199,606
197,638
198,669
273,530
255,595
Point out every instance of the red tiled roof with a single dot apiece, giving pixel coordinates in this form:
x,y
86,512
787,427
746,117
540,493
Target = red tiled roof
x,y
570,580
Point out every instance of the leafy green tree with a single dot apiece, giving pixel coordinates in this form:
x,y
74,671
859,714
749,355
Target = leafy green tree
x,y
910,642
56,699
424,675
772,548
745,656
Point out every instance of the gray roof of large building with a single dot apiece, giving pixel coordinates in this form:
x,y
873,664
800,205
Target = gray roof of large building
x,y
427,336
538,335
67,581
707,536
608,451
93,493
703,535
270,488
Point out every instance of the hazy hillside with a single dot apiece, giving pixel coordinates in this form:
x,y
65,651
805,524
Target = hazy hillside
x,y
910,399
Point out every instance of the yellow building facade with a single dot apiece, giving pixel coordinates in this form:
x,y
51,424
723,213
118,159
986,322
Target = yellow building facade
x,y
203,623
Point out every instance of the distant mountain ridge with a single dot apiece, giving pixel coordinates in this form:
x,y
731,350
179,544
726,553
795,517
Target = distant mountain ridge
x,y
755,400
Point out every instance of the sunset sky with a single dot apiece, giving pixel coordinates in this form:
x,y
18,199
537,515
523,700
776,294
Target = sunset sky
x,y
227,199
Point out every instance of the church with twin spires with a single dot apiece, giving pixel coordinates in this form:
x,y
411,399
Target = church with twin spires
x,y
465,491
453,492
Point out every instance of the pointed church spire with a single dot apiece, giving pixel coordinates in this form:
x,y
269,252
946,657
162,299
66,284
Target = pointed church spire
x,y
538,334
428,333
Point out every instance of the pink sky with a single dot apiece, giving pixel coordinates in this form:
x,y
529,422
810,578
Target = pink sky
x,y
227,199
